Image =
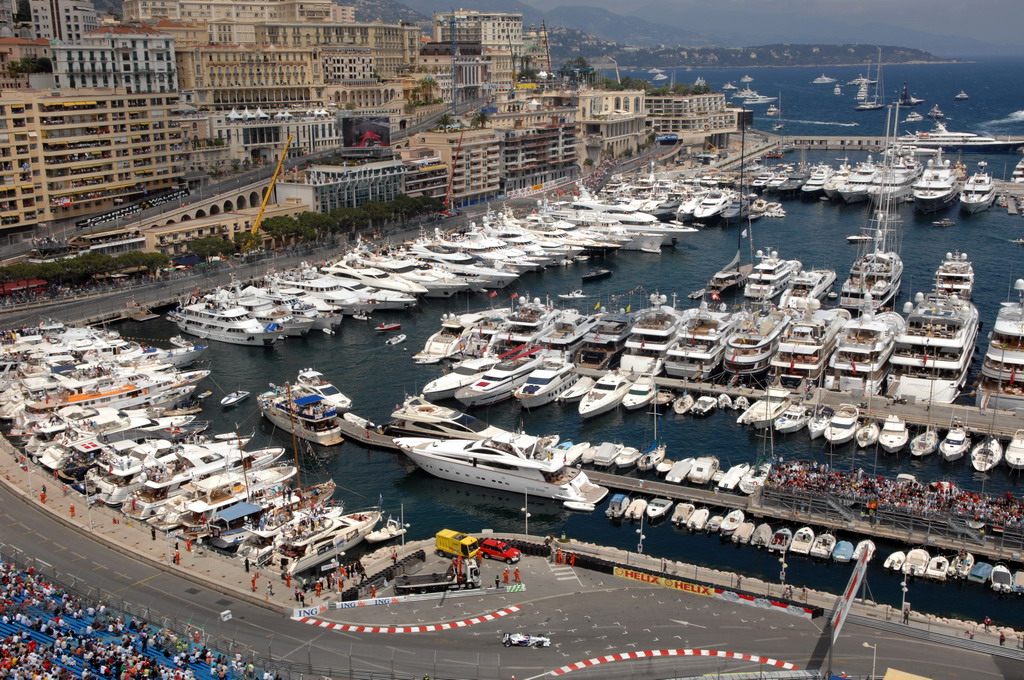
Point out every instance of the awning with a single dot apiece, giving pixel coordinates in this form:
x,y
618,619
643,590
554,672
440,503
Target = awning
x,y
237,511
311,399
79,104
187,260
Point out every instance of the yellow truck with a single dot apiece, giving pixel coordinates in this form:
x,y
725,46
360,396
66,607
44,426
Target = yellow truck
x,y
455,544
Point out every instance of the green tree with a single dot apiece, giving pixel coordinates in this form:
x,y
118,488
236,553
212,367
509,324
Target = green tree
x,y
24,13
210,246
318,223
378,212
444,121
479,120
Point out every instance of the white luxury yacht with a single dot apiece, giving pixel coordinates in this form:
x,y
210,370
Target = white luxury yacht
x,y
603,350
499,382
512,463
417,417
933,353
979,192
214,317
876,274
462,374
1002,372
895,177
700,341
938,187
807,346
770,276
815,183
754,341
861,359
955,276
807,286
653,332
861,178
352,269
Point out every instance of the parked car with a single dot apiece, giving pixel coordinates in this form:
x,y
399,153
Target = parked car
x,y
493,549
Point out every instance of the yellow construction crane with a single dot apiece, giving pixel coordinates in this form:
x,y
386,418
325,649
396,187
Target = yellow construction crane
x,y
266,198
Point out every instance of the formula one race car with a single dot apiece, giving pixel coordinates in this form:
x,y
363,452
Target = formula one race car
x,y
525,640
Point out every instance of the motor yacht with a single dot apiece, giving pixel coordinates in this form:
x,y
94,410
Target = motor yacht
x,y
1014,454
754,341
843,425
417,417
437,282
823,80
462,374
925,444
499,382
215,317
979,192
512,463
653,332
770,276
641,393
933,353
894,435
938,187
838,180
307,545
700,343
876,275
861,359
793,419
704,468
568,330
895,178
955,276
956,443
807,286
958,142
1002,371
547,382
815,184
916,562
603,349
307,416
823,546
353,270
314,382
867,434
712,205
607,393
807,346
861,177
447,342
763,412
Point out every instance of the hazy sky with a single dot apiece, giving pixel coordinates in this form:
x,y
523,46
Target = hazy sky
x,y
991,20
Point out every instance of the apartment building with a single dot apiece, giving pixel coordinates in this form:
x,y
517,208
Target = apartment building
x,y
499,34
611,122
136,58
695,116
426,173
65,20
64,155
394,46
471,69
226,76
327,187
538,157
252,11
476,159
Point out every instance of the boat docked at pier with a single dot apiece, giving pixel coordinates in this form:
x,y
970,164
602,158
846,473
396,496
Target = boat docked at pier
x,y
1002,371
216,317
754,341
955,276
653,332
499,382
875,276
305,415
770,276
322,538
861,359
700,342
808,286
604,348
513,463
808,344
960,142
933,353
938,187
979,192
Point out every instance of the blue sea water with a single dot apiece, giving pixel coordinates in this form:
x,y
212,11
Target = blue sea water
x,y
377,376
995,106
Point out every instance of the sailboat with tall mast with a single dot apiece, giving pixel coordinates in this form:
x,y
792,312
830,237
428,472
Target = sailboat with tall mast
x,y
877,100
734,274
875,276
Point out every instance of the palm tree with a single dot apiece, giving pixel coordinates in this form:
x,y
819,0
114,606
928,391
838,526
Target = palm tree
x,y
479,120
444,121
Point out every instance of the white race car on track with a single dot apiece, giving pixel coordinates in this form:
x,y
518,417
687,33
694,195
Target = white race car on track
x,y
525,640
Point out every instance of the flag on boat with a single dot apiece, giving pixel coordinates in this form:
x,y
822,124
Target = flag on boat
x,y
597,305
629,308
493,294
513,296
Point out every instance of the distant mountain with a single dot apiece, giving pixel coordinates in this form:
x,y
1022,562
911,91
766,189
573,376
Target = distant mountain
x,y
626,30
388,11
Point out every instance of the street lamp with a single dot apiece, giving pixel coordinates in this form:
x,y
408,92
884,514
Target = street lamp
x,y
640,533
526,513
782,570
903,587
874,651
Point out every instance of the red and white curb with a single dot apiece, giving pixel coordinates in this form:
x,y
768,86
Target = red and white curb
x,y
348,628
743,598
650,653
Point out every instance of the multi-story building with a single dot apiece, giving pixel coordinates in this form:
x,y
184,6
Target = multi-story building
x,y
475,158
499,34
343,14
226,76
426,173
260,135
470,68
136,58
252,11
612,122
7,14
394,46
538,157
174,239
64,20
327,187
348,64
14,50
65,155
690,117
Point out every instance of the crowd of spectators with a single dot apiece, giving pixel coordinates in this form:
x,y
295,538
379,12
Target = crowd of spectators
x,y
936,499
49,633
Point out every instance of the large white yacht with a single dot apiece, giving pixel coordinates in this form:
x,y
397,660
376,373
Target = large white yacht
x,y
861,178
653,332
417,417
861,359
934,351
307,545
807,346
838,180
713,205
979,192
700,342
547,382
1002,372
955,276
959,142
876,274
352,269
894,179
569,329
512,463
603,350
819,176
499,382
770,276
462,374
938,187
807,286
214,317
754,341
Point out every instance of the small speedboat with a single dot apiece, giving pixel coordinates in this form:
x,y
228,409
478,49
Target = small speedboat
x,y
867,546
980,572
658,507
698,520
384,327
895,561
396,340
575,295
391,529
636,509
743,533
859,238
780,540
803,539
1001,579
961,565
740,403
956,443
925,443
361,316
704,406
597,274
938,568
579,506
867,434
724,401
823,546
681,515
916,562
762,535
203,395
714,524
234,398
944,222
843,552
793,419
731,522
